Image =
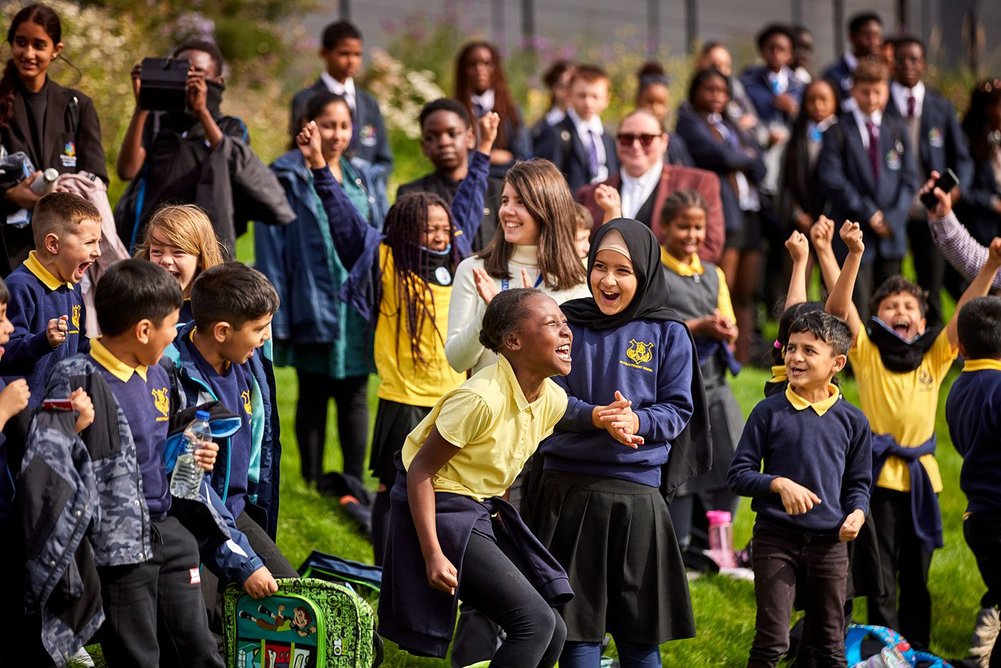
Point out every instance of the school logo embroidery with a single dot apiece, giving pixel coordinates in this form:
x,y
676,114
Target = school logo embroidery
x,y
893,159
68,157
366,135
75,319
639,351
924,377
935,138
245,396
161,402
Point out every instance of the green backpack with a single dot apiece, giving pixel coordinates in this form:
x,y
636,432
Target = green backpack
x,y
306,624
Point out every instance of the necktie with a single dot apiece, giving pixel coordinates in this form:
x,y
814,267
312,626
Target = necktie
x,y
911,106
479,109
873,148
592,154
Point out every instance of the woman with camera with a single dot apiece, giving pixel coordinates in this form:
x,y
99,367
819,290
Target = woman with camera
x,y
55,127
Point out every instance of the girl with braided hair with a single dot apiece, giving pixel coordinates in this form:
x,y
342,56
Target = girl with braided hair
x,y
400,282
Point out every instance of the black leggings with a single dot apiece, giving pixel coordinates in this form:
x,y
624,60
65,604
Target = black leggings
x,y
494,586
351,396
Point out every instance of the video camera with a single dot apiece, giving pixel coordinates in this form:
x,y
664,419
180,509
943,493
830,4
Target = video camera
x,y
163,84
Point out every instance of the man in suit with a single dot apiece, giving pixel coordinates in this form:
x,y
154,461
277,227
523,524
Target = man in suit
x,y
578,145
867,172
342,52
939,144
865,33
644,181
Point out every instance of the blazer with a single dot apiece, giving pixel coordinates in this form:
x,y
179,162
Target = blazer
x,y
759,91
677,152
847,180
712,153
672,179
561,145
71,142
369,139
840,76
975,208
942,142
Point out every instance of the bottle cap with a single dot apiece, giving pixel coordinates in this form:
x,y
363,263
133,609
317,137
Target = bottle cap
x,y
50,175
718,517
201,415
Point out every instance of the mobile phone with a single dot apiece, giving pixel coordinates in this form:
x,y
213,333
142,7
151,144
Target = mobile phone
x,y
57,405
946,182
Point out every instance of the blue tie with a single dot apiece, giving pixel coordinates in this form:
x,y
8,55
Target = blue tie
x,y
592,154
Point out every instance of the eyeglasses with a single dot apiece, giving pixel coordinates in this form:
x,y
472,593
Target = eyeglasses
x,y
627,140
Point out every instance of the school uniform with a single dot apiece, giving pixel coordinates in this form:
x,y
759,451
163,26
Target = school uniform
x,y
512,135
972,412
860,177
939,144
901,407
583,151
719,146
369,137
824,446
57,128
653,189
445,187
762,86
37,296
976,208
696,290
678,153
839,74
800,191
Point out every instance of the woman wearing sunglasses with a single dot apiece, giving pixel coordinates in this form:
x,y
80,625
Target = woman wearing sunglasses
x,y
645,180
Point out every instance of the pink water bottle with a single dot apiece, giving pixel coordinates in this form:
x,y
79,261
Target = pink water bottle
x,y
721,538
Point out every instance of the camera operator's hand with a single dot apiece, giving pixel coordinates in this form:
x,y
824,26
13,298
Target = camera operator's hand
x,y
197,91
137,71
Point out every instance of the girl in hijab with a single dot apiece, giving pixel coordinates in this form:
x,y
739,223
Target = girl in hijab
x,y
601,510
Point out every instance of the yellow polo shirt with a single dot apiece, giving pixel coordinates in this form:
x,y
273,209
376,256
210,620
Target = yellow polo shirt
x,y
902,405
495,428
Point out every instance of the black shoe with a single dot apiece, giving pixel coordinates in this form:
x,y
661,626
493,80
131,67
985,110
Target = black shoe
x,y
243,614
264,611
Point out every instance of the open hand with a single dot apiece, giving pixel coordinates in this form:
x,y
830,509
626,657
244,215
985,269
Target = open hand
x,y
619,420
796,499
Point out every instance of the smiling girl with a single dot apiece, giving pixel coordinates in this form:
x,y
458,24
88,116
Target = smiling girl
x,y
56,127
180,239
601,511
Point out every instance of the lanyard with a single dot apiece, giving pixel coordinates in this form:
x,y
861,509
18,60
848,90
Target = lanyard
x,y
506,283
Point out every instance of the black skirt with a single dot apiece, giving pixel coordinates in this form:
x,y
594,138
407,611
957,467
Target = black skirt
x,y
616,541
393,423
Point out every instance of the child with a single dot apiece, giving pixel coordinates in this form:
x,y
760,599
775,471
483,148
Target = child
x,y
972,411
865,35
147,562
180,238
447,137
867,172
341,51
899,365
811,497
400,282
322,337
455,465
56,127
578,145
45,306
583,222
698,292
653,93
772,87
556,79
601,509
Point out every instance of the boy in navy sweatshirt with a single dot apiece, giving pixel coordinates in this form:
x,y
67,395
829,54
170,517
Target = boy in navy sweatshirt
x,y
973,412
811,495
45,307
219,356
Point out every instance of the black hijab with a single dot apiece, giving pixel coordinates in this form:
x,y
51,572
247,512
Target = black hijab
x,y
649,302
691,451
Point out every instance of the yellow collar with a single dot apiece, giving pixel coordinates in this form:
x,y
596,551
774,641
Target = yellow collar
x,y
982,364
679,267
507,372
115,366
820,407
44,275
779,374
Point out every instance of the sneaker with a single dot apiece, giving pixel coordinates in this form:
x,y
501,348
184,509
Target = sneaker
x,y
985,634
243,614
82,658
264,611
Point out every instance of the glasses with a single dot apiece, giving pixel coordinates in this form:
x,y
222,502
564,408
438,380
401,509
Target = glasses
x,y
627,140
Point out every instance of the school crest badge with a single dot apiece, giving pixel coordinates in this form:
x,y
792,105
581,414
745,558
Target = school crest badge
x,y
245,397
75,318
639,352
161,402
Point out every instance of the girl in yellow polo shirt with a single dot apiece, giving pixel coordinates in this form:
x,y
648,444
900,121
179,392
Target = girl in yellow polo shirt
x,y
458,461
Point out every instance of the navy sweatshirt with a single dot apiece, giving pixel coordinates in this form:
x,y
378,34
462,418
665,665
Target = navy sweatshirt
x,y
829,454
973,412
650,362
36,296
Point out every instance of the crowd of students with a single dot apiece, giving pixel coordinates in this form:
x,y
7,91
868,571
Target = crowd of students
x,y
553,313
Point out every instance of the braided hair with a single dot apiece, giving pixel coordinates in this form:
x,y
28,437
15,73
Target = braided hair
x,y
405,224
49,20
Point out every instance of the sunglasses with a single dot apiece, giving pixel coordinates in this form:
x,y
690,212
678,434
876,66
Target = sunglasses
x,y
627,140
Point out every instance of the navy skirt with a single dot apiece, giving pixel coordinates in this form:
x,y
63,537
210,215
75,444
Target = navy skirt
x,y
616,541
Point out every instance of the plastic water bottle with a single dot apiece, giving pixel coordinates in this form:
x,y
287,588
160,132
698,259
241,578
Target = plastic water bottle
x,y
721,538
187,477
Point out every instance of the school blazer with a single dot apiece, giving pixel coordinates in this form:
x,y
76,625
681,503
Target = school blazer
x,y
672,179
840,77
370,141
942,143
974,209
846,179
759,90
561,145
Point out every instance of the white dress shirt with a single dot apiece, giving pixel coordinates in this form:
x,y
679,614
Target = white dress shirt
x,y
637,190
345,90
584,130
